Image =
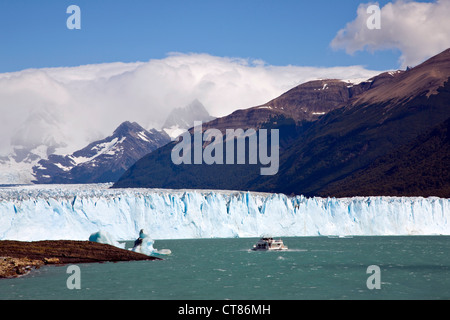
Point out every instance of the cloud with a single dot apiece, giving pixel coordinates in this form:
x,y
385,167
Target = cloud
x,y
66,108
418,30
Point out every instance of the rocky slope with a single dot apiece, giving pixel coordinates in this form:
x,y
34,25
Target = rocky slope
x,y
370,126
418,168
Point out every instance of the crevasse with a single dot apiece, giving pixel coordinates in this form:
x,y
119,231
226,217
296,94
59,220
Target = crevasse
x,y
75,212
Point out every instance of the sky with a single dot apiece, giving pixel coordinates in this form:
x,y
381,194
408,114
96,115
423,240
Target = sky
x,y
137,60
279,32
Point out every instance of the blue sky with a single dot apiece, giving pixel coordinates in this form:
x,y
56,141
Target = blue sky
x,y
137,60
33,34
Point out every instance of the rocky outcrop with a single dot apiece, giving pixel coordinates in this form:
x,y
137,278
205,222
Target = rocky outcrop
x,y
18,258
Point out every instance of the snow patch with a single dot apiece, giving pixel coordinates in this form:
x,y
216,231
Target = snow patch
x,y
265,107
109,148
174,131
142,136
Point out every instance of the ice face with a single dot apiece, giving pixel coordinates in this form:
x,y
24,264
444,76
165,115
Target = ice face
x,y
77,211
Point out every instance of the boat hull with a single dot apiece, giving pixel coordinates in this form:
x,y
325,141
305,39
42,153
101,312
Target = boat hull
x,y
271,249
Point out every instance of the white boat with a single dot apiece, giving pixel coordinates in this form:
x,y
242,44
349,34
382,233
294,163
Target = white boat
x,y
269,244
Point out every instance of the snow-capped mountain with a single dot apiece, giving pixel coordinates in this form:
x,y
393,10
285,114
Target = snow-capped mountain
x,y
182,119
101,161
33,158
38,136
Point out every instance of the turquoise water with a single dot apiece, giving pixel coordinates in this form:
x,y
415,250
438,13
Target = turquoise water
x,y
217,269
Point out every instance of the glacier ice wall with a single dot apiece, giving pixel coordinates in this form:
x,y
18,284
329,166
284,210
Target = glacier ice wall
x,y
77,211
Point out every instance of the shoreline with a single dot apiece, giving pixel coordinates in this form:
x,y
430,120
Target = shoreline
x,y
18,258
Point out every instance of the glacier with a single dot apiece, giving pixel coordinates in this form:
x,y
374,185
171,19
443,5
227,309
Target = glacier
x,y
75,212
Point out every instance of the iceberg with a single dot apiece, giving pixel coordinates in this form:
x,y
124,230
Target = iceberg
x,y
105,238
144,244
75,212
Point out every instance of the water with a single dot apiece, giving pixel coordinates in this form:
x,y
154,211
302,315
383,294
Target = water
x,y
216,269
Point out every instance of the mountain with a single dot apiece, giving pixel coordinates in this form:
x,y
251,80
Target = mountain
x,y
181,119
417,168
325,136
305,103
292,113
38,136
101,161
372,124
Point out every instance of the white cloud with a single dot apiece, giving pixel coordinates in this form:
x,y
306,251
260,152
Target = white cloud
x,y
73,106
419,30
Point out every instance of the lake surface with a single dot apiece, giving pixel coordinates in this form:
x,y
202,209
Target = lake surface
x,y
416,267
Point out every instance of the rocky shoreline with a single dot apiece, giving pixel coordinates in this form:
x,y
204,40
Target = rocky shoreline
x,y
18,258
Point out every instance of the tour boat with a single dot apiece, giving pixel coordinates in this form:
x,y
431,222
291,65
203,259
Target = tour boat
x,y
269,244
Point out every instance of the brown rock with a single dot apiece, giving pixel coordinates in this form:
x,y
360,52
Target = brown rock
x,y
18,258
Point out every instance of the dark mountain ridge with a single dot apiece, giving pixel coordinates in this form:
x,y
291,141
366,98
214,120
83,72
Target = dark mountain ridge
x,y
326,136
417,168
